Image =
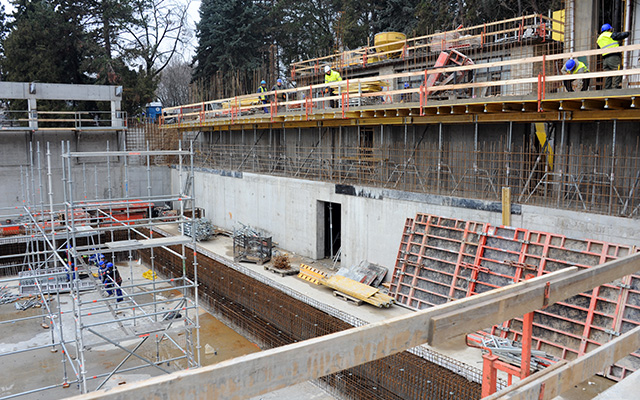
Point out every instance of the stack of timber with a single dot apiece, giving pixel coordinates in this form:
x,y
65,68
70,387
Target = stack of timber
x,y
345,288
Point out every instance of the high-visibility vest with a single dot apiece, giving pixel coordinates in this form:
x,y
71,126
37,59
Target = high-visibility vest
x,y
580,68
605,41
334,76
262,89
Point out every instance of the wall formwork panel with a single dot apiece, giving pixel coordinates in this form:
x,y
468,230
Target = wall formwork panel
x,y
444,259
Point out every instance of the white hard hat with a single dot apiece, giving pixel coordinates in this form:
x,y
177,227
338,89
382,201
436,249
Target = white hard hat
x,y
327,69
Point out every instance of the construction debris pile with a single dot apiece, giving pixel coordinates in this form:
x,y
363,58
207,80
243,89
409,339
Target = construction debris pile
x,y
200,228
281,262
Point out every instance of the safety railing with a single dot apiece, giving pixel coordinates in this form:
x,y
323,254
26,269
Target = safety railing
x,y
503,33
530,78
21,120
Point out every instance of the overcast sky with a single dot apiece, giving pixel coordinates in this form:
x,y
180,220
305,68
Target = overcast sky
x,y
194,16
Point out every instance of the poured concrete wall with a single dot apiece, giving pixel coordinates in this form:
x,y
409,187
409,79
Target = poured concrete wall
x,y
16,172
372,219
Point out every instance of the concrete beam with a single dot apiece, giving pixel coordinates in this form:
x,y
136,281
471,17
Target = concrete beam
x,y
58,91
263,372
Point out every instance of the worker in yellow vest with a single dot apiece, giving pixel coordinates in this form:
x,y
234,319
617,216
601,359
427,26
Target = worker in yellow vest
x,y
331,76
574,67
263,98
611,61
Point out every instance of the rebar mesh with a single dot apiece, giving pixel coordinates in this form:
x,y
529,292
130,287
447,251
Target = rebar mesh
x,y
273,319
597,179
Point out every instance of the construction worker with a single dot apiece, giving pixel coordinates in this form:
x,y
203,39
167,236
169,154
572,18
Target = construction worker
x,y
331,76
111,278
263,98
611,61
406,97
575,67
281,97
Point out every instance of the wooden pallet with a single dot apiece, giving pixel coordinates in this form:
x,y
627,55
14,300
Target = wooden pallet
x,y
347,298
283,273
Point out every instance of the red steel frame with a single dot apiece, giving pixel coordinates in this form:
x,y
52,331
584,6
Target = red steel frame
x,y
443,259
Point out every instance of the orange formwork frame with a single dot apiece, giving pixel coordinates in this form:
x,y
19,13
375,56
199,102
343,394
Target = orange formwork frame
x,y
443,259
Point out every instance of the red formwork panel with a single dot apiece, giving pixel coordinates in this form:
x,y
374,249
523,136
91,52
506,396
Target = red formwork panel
x,y
442,259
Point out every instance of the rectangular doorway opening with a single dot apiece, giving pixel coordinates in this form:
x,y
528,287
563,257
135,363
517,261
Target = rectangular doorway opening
x,y
331,232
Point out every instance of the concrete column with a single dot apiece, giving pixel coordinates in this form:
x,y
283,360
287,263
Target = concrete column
x,y
585,27
116,114
33,113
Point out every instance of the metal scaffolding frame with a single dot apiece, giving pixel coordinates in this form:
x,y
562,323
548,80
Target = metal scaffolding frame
x,y
53,247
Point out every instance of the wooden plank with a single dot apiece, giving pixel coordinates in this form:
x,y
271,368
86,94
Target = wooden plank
x,y
506,206
592,104
567,376
570,105
616,104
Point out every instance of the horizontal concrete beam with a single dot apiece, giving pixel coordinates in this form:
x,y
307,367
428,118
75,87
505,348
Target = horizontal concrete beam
x,y
58,91
263,372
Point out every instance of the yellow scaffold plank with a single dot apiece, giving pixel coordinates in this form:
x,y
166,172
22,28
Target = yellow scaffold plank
x,y
311,274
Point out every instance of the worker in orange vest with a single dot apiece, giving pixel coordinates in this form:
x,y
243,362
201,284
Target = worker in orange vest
x,y
611,61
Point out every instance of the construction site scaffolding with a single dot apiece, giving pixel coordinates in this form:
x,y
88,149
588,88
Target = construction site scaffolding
x,y
54,248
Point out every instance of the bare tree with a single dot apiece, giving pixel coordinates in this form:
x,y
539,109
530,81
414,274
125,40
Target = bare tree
x,y
161,33
173,89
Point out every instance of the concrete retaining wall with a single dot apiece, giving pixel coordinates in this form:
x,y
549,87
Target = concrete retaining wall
x,y
372,219
15,153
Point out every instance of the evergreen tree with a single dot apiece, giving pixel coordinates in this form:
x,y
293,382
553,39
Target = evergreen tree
x,y
305,28
3,33
44,44
396,16
233,35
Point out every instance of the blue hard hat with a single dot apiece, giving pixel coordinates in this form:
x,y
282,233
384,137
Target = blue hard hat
x,y
263,82
279,80
101,263
570,65
606,27
406,84
109,265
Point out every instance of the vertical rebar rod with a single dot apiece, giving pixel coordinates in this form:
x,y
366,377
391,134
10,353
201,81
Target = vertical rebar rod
x,y
613,164
439,156
509,143
561,163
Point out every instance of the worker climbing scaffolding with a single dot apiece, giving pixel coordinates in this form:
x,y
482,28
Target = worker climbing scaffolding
x,y
110,277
